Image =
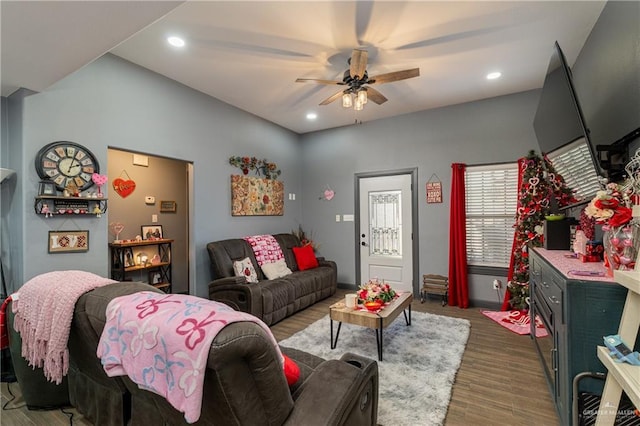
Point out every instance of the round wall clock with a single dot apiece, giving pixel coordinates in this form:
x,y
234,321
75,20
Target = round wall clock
x,y
66,162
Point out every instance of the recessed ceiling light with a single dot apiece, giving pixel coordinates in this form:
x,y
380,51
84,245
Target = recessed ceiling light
x,y
312,116
175,41
493,75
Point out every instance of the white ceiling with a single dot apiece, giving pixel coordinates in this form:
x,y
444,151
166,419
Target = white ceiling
x,y
249,53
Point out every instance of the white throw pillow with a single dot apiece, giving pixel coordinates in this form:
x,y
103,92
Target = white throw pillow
x,y
275,269
244,268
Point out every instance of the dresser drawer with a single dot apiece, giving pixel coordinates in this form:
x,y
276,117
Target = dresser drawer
x,y
551,287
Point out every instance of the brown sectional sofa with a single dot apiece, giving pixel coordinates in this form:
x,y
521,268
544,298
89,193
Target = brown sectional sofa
x,y
269,300
244,383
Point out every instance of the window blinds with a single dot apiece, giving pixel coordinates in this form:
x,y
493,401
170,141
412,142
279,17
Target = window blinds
x,y
491,196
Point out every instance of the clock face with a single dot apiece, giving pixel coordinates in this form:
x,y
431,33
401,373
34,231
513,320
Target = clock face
x,y
65,163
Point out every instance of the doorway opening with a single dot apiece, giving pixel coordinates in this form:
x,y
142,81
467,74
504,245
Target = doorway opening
x,y
161,195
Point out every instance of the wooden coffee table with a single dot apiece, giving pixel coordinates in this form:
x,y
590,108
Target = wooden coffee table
x,y
377,321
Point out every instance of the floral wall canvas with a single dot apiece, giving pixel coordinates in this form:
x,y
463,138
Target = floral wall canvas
x,y
252,196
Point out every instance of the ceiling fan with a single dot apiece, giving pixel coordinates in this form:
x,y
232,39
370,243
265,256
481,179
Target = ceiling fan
x,y
357,79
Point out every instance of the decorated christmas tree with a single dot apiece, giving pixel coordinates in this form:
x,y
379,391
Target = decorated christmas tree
x,y
542,190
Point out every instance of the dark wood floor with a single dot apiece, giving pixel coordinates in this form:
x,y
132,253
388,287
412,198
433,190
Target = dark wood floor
x,y
500,381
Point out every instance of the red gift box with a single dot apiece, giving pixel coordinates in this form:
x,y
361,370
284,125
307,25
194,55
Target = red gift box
x,y
589,258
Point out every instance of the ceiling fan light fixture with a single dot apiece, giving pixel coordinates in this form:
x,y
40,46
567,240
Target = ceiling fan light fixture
x,y
358,105
347,101
362,96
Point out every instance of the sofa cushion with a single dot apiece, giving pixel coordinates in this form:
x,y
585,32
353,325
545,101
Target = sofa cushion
x,y
277,269
305,258
244,268
224,253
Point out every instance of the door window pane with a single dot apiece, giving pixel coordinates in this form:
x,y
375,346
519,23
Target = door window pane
x,y
385,224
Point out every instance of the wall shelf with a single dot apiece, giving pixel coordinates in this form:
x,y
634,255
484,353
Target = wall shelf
x,y
125,261
69,206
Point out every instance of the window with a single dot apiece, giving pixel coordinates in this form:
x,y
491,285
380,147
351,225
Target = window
x,y
491,201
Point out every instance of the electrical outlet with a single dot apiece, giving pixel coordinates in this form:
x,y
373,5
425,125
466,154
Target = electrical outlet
x,y
497,284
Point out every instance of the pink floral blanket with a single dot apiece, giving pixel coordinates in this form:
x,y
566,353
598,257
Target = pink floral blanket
x,y
43,309
265,248
162,342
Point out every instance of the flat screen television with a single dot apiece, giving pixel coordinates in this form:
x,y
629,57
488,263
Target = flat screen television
x,y
561,130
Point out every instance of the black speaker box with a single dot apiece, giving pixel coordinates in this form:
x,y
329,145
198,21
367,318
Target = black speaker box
x,y
557,234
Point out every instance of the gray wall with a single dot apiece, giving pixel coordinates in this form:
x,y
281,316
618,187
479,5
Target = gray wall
x,y
113,103
12,225
489,131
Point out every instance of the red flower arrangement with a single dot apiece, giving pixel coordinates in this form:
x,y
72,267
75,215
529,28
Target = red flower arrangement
x,y
375,290
611,207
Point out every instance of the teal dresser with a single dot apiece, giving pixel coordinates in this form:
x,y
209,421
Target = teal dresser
x,y
577,312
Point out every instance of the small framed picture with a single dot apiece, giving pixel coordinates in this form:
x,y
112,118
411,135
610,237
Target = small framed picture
x,y
168,207
152,232
68,241
128,258
155,277
47,188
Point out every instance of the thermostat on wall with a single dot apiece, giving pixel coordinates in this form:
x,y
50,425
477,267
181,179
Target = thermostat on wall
x,y
149,199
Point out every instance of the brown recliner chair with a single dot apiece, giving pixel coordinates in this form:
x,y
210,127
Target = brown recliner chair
x,y
244,382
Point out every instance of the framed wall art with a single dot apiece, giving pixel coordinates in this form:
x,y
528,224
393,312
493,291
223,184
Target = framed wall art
x,y
434,190
68,241
168,207
47,188
251,196
128,258
152,232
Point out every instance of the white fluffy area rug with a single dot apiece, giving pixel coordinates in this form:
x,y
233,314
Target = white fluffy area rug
x,y
418,367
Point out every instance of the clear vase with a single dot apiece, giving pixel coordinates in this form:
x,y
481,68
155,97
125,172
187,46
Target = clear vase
x,y
621,246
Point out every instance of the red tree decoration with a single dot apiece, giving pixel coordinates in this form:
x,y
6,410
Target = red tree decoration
x,y
540,186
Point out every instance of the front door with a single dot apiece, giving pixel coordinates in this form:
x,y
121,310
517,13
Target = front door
x,y
386,248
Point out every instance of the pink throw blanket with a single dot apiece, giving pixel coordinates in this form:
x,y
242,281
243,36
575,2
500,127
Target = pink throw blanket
x,y
43,309
162,342
265,248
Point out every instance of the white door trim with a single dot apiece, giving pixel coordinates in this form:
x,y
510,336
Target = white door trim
x,y
414,220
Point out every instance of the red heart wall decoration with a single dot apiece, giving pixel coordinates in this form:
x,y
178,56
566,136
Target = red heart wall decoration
x,y
124,188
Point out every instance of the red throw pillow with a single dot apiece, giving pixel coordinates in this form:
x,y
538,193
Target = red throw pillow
x,y
291,370
305,258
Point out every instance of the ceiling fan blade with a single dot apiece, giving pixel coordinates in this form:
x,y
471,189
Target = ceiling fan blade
x,y
375,96
319,81
394,76
331,98
358,63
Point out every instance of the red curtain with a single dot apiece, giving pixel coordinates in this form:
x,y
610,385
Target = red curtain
x,y
507,295
458,281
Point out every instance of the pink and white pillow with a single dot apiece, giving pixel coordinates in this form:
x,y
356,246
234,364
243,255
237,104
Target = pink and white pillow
x,y
265,248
